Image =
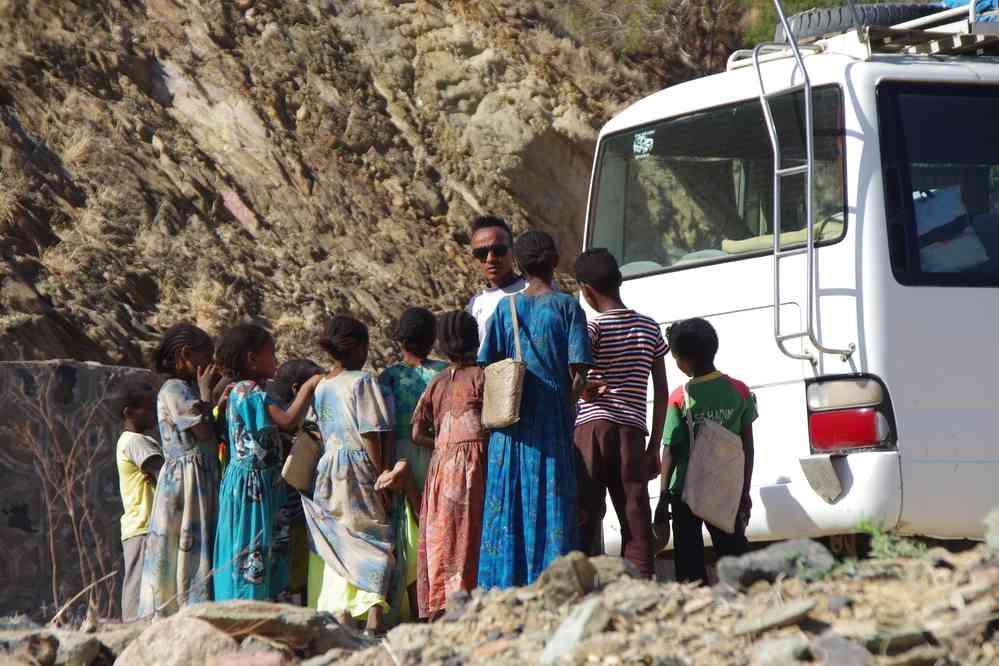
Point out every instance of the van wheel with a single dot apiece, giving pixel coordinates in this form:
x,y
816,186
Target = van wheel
x,y
831,20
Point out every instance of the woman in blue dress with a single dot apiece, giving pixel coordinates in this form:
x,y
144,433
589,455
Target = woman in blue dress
x,y
251,556
530,505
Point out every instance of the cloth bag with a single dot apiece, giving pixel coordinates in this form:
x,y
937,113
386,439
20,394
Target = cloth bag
x,y
300,467
713,485
504,384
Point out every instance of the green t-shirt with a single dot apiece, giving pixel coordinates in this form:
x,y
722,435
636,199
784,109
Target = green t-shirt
x,y
713,396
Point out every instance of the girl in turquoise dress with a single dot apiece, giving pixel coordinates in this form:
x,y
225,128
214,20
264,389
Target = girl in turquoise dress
x,y
251,558
402,385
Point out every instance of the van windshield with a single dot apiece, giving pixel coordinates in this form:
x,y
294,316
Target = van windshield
x,y
940,156
699,188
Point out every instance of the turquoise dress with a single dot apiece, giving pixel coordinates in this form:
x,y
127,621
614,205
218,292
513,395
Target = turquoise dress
x,y
251,557
529,519
402,386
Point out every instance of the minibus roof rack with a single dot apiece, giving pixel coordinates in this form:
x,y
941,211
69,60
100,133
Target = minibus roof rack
x,y
950,32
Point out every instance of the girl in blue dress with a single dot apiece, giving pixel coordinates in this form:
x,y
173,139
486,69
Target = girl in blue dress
x,y
530,504
251,558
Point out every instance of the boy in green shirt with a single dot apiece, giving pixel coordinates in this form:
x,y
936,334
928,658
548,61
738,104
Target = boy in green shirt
x,y
720,398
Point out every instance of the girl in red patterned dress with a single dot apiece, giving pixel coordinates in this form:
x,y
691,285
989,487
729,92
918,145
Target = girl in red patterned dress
x,y
448,419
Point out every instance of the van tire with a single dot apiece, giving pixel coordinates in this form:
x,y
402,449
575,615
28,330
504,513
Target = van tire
x,y
819,22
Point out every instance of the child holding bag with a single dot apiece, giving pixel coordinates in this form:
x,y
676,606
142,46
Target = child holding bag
x,y
709,395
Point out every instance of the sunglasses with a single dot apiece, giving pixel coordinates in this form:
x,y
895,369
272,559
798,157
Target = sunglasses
x,y
482,253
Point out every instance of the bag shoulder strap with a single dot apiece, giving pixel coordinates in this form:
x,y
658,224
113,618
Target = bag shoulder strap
x,y
688,413
516,328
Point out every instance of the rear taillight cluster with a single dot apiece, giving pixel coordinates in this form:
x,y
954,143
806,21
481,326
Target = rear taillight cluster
x,y
849,412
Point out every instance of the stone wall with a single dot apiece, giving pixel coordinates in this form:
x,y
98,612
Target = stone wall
x,y
59,410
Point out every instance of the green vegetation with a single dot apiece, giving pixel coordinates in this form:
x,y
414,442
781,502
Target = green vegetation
x,y
886,545
760,17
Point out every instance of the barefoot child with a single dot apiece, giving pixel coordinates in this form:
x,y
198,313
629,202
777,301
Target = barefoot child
x,y
347,518
177,564
709,395
402,385
610,431
251,558
139,462
451,512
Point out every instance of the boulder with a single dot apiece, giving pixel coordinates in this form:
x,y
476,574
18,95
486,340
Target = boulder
x,y
610,569
116,640
790,558
180,640
568,578
297,627
51,646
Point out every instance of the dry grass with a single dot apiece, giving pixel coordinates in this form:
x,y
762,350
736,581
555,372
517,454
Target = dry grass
x,y
12,188
79,146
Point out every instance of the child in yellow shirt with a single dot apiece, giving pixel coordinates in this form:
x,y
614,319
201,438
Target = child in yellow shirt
x,y
139,460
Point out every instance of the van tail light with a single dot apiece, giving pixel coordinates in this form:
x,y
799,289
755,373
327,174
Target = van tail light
x,y
849,413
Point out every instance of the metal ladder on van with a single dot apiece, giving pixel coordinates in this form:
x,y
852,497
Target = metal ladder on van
x,y
780,173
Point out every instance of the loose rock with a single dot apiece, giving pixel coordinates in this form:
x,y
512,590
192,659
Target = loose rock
x,y
790,558
584,621
833,650
783,616
780,651
177,641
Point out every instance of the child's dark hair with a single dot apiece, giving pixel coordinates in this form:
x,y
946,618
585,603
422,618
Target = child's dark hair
x,y
342,336
291,374
134,393
694,340
598,269
488,221
536,253
176,338
236,345
416,331
457,335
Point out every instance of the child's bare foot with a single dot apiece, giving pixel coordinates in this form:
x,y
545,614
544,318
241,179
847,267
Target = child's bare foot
x,y
374,624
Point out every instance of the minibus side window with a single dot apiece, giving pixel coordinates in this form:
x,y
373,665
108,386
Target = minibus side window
x,y
940,165
698,188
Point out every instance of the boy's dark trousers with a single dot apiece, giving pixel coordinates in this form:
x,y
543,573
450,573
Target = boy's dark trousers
x,y
688,543
612,460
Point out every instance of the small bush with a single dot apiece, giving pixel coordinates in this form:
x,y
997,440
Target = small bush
x,y
886,545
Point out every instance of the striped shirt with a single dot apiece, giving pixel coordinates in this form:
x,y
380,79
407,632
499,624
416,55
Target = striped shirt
x,y
625,345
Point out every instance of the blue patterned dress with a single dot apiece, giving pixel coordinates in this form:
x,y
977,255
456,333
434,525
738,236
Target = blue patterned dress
x,y
251,557
530,505
348,523
177,566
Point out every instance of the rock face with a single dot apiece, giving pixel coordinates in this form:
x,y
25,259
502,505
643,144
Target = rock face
x,y
59,413
212,161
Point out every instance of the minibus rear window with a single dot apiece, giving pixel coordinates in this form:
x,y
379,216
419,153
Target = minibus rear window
x,y
698,189
940,164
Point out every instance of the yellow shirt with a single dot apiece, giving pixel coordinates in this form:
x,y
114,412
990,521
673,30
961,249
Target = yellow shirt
x,y
137,490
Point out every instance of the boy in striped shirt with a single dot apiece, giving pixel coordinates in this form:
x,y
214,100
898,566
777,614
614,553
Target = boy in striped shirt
x,y
616,452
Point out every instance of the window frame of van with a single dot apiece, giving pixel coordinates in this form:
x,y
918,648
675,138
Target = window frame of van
x,y
900,223
595,189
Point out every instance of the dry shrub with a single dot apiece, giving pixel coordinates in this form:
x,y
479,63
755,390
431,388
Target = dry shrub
x,y
66,454
688,37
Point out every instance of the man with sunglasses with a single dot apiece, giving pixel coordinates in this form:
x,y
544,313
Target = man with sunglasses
x,y
492,241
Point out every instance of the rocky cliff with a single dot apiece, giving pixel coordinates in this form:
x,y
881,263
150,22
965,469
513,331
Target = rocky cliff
x,y
212,160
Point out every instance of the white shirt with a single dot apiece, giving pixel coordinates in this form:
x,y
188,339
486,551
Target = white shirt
x,y
484,303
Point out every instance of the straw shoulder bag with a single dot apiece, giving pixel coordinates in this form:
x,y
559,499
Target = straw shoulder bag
x,y
712,487
300,466
504,384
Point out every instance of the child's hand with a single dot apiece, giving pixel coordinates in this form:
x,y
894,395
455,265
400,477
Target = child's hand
x,y
312,382
593,389
652,463
206,381
745,508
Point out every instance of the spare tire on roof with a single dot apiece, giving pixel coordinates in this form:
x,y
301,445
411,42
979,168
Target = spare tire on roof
x,y
830,20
